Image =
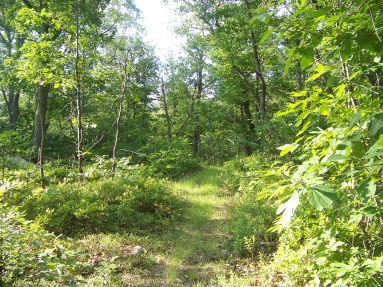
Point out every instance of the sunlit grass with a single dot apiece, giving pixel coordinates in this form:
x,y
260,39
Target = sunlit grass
x,y
201,235
194,252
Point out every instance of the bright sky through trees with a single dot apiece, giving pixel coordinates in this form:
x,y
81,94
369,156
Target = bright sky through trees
x,y
159,20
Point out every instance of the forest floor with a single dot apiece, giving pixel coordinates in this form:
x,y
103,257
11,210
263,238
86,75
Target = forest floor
x,y
194,252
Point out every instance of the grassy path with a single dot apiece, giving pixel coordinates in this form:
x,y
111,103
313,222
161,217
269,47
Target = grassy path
x,y
194,252
199,245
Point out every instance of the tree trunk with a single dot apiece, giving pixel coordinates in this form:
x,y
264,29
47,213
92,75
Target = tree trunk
x,y
40,115
166,110
257,64
196,139
12,42
250,127
117,134
249,85
119,113
197,128
40,127
299,77
12,103
80,154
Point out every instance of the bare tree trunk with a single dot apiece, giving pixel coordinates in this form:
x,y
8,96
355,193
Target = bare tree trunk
x,y
196,139
40,127
257,63
80,154
41,96
119,113
12,103
12,42
40,116
250,133
197,128
166,109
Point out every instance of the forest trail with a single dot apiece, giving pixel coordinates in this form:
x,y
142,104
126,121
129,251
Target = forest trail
x,y
195,252
200,243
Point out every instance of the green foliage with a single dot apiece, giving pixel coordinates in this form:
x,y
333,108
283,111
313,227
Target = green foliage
x,y
249,224
172,161
322,59
251,218
133,201
329,204
29,255
12,147
234,170
13,143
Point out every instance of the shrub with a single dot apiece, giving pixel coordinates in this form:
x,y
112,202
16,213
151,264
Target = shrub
x,y
133,201
171,159
171,164
29,255
147,203
251,215
232,174
250,223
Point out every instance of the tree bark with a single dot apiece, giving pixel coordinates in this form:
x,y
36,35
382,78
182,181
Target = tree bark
x,y
250,127
12,103
257,64
42,92
119,113
166,110
40,128
11,93
80,155
197,128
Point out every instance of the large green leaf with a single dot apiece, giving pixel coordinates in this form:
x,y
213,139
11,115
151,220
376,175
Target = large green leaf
x,y
321,196
366,189
307,57
266,35
289,61
358,149
340,268
375,127
355,119
287,209
320,70
338,157
287,148
375,150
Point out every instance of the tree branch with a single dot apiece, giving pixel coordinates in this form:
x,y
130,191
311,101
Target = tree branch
x,y
28,4
6,99
248,84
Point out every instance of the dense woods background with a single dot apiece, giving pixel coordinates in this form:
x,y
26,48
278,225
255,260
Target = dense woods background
x,y
286,95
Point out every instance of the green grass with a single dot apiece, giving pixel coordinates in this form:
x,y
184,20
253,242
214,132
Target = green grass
x,y
193,253
192,249
201,238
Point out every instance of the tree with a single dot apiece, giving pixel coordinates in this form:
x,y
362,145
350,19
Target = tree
x,y
332,192
10,43
39,60
88,19
234,37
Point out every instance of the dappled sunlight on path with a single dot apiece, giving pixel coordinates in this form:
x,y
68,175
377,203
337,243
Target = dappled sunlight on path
x,y
200,243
